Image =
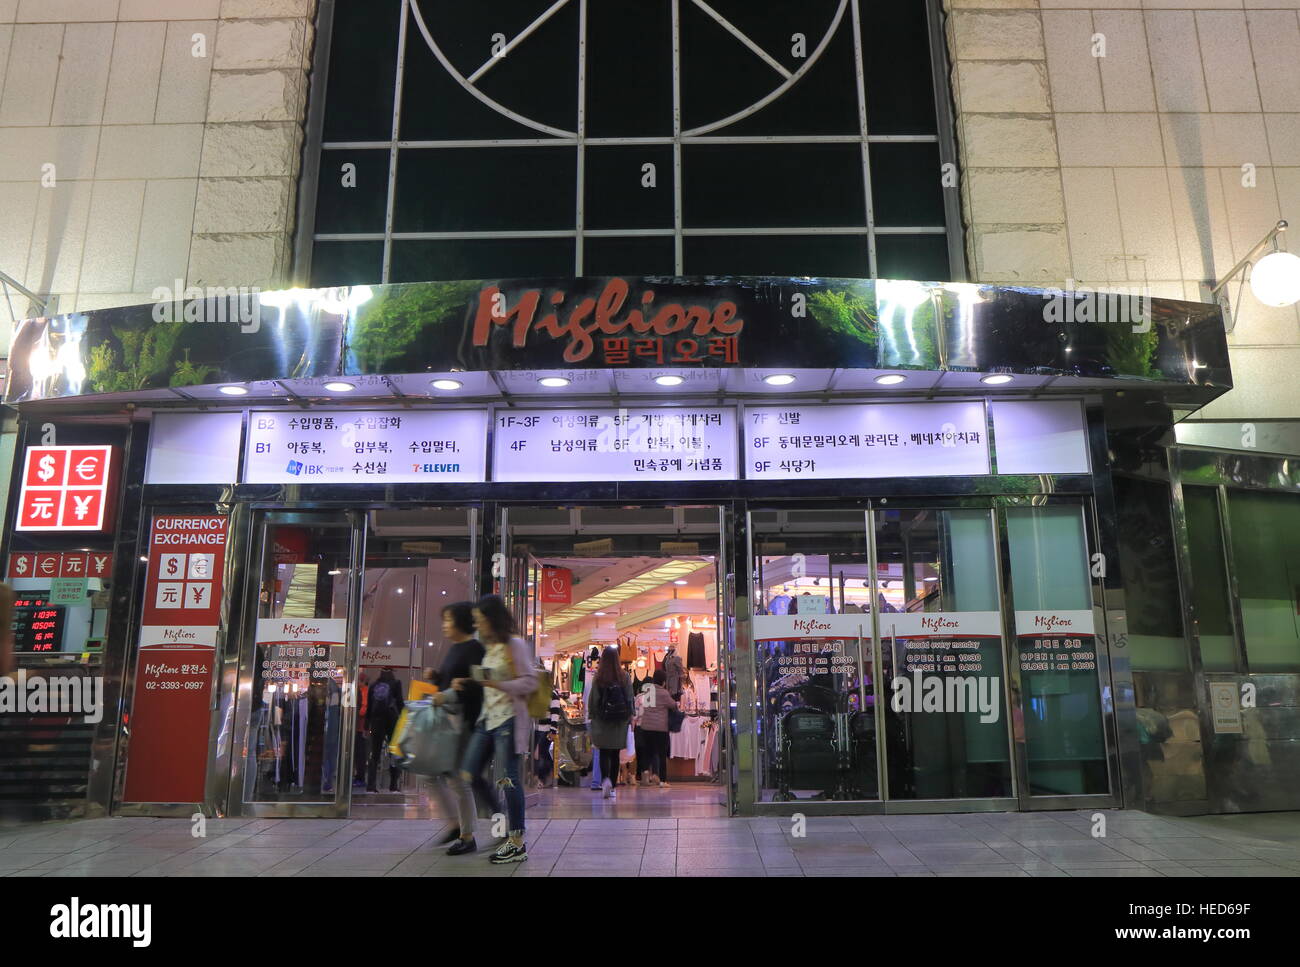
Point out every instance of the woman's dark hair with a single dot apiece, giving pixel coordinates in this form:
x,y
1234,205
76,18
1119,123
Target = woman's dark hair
x,y
462,616
498,616
607,672
659,677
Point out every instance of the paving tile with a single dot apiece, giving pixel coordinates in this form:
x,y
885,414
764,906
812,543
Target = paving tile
x,y
957,856
1125,871
1205,849
1000,871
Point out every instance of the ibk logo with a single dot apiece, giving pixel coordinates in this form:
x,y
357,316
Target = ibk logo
x,y
65,489
1050,622
938,623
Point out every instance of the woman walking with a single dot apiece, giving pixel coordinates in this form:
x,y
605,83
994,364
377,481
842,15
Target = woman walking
x,y
611,710
503,732
652,729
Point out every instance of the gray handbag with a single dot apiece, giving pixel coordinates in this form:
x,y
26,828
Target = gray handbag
x,y
431,744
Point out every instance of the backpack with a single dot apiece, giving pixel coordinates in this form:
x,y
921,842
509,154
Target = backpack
x,y
383,696
613,704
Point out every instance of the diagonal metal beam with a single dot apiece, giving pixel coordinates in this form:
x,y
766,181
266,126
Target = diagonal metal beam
x,y
736,32
527,31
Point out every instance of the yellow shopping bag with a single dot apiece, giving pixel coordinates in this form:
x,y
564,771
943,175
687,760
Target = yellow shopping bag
x,y
417,691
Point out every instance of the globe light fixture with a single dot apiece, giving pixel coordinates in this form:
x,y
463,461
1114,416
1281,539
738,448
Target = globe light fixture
x,y
1275,279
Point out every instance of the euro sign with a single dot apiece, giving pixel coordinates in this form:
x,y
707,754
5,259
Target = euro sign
x,y
46,464
88,468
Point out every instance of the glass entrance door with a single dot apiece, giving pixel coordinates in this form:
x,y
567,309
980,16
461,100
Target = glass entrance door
x,y
297,697
1062,686
924,654
946,720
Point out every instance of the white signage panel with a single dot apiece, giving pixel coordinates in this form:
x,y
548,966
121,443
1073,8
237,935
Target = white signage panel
x,y
866,440
1226,707
642,443
194,448
942,624
1040,436
1054,623
791,627
366,446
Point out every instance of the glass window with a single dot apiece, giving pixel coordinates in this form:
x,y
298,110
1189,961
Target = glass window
x,y
1210,593
812,644
1266,558
941,648
1059,710
1149,567
519,100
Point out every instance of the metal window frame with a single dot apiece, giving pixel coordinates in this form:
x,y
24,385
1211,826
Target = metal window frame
x,y
315,146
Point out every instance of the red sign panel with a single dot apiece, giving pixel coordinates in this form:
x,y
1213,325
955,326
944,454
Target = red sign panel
x,y
67,489
171,714
557,585
60,564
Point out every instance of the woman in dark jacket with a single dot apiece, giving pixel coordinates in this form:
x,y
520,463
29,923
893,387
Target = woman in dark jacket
x,y
610,712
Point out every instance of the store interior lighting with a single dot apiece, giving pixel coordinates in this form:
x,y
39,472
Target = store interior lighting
x,y
602,600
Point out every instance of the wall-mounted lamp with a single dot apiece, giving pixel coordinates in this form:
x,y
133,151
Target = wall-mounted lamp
x,y
1274,279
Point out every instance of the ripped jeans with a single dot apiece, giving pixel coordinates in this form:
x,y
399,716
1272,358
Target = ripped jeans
x,y
497,744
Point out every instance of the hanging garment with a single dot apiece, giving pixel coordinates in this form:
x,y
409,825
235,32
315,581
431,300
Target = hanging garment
x,y
779,605
626,649
695,650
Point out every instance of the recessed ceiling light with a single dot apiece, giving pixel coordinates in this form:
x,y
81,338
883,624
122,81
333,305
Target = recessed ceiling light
x,y
553,381
670,380
680,581
235,390
599,614
778,379
996,379
446,384
339,386
931,578
891,379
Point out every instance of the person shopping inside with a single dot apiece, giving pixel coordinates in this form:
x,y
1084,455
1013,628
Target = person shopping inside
x,y
611,711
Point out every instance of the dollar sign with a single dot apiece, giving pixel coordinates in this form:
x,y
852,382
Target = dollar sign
x,y
46,464
20,566
171,566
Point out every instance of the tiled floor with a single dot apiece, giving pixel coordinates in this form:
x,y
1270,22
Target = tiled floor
x,y
575,834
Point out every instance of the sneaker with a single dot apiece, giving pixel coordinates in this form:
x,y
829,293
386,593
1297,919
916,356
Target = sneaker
x,y
613,794
462,846
606,790
453,834
664,785
510,853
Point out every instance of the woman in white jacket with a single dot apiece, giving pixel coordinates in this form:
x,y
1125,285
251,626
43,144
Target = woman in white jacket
x,y
504,729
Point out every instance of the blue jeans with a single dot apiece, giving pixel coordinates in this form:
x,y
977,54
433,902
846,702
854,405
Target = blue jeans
x,y
499,745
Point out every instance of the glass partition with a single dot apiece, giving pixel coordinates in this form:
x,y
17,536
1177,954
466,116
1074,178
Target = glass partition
x,y
1265,534
816,729
1210,593
1058,714
941,655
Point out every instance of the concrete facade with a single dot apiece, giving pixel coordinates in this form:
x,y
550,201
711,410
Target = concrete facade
x,y
174,130
1126,143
